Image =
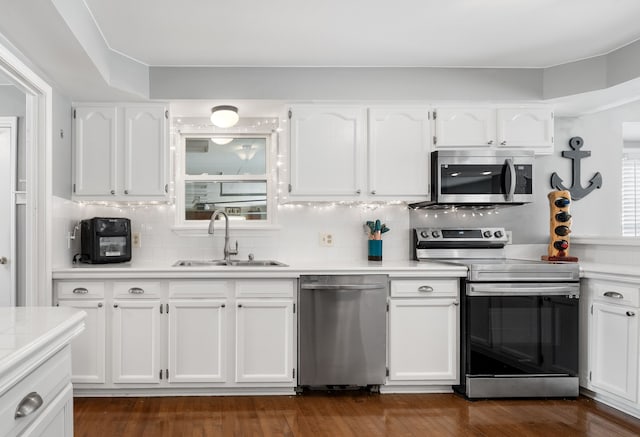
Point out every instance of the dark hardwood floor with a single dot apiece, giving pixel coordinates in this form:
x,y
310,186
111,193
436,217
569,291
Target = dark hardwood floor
x,y
346,414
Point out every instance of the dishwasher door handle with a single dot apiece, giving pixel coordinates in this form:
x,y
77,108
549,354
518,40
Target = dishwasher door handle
x,y
343,286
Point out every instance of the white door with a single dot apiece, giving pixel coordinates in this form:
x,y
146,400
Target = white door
x,y
526,128
197,340
135,326
145,140
8,149
95,155
614,350
399,146
264,340
423,339
88,348
327,152
465,127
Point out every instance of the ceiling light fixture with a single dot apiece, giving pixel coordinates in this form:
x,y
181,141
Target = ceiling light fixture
x,y
224,115
221,141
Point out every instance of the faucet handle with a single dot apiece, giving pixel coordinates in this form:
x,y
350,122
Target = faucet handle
x,y
234,251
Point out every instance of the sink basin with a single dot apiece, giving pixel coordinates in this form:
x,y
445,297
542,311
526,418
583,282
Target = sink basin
x,y
232,263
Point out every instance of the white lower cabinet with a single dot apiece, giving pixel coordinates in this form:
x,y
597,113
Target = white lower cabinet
x,y
184,334
135,341
264,340
56,419
197,347
423,333
611,343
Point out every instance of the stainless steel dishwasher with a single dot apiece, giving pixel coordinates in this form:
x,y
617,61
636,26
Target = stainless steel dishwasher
x,y
342,330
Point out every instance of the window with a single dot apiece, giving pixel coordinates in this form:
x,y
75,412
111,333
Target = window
x,y
631,192
228,173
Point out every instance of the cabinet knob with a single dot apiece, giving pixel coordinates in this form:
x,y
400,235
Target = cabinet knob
x,y
358,191
239,305
100,305
3,260
630,313
373,192
115,305
223,306
113,192
126,191
490,142
503,143
456,303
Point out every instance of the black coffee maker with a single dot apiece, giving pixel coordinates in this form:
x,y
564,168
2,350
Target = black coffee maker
x,y
105,240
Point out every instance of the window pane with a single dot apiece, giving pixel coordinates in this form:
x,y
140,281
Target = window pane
x,y
240,156
242,200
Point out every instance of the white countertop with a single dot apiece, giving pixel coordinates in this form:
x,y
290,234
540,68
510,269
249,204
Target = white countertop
x,y
392,268
614,272
30,334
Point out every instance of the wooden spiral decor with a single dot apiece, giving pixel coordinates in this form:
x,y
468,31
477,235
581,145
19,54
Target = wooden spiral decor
x,y
559,227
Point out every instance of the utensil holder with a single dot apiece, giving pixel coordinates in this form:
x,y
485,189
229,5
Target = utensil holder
x,y
375,250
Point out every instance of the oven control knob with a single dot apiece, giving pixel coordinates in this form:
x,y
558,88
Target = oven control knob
x,y
487,234
498,234
424,234
435,234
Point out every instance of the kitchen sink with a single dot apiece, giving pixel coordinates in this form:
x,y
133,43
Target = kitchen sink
x,y
231,263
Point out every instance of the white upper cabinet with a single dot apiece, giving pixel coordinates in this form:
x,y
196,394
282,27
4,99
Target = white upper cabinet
x,y
398,153
120,152
94,139
465,127
503,128
526,128
327,152
145,131
333,158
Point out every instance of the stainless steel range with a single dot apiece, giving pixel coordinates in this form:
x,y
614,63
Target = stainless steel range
x,y
518,319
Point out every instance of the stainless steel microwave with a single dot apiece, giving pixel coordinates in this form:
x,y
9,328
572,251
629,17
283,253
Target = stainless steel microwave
x,y
481,177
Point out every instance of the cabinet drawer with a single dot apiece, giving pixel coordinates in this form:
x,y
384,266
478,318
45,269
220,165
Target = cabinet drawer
x,y
616,293
137,289
200,288
41,385
79,289
424,287
265,288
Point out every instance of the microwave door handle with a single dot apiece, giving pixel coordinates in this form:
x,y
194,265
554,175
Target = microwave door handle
x,y
510,179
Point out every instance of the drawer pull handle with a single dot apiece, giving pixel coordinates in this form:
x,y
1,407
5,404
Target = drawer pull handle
x,y
80,290
425,289
136,290
630,313
29,404
613,294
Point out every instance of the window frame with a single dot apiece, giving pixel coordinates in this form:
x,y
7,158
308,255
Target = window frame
x,y
630,155
197,227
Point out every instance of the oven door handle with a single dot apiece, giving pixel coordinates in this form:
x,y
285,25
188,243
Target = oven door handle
x,y
572,290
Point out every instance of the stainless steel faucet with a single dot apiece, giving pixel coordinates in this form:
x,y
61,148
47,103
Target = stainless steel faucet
x,y
227,252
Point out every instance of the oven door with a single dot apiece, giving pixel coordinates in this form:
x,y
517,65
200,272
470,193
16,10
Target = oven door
x,y
521,329
483,179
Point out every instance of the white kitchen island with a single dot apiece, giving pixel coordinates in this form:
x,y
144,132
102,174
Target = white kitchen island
x,y
36,397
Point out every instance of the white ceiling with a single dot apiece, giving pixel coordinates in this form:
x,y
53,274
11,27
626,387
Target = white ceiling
x,y
451,33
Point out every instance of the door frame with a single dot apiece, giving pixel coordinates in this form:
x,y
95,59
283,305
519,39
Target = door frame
x,y
38,157
12,124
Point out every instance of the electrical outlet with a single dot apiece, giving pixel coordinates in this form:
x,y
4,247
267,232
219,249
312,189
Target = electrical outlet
x,y
326,239
136,239
509,237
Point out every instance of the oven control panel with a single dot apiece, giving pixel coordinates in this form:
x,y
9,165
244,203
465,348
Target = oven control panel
x,y
425,238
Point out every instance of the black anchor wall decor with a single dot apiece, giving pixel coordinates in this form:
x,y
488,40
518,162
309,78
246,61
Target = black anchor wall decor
x,y
576,189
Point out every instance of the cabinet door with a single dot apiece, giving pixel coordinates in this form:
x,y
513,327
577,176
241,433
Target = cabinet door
x,y
423,340
327,152
197,340
145,151
95,156
526,128
88,348
399,147
614,350
135,326
264,340
465,127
